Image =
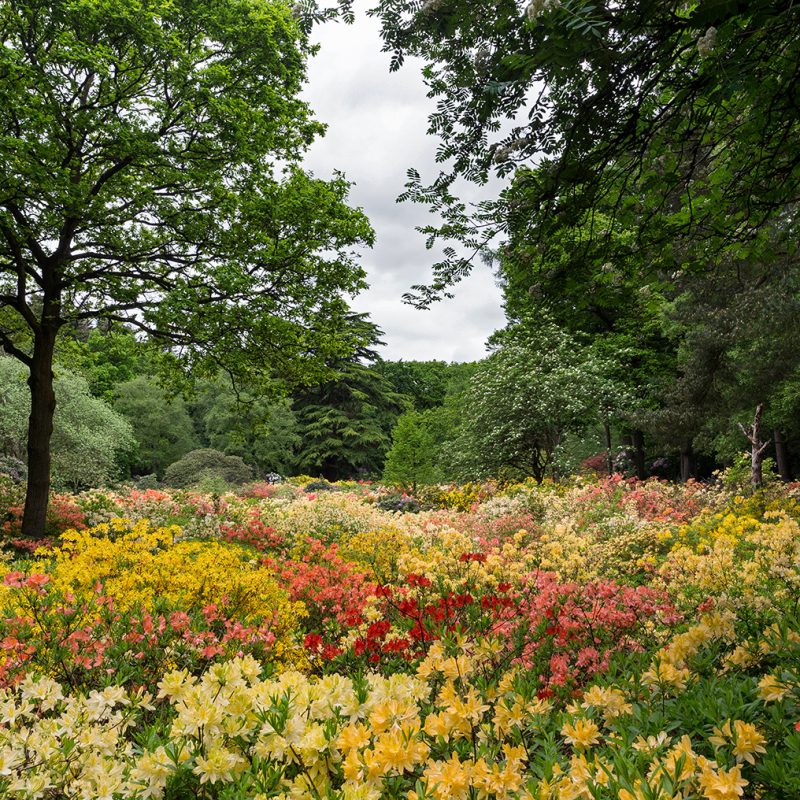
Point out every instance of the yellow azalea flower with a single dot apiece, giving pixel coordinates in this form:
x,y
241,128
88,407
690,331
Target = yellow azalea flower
x,y
582,734
399,751
353,737
437,725
351,766
747,741
609,700
721,736
722,785
651,743
448,780
663,673
771,689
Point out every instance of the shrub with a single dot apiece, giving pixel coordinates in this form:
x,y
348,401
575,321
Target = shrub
x,y
143,482
13,468
320,486
63,514
141,567
204,465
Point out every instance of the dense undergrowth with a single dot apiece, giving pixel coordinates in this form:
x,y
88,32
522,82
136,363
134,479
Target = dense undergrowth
x,y
604,639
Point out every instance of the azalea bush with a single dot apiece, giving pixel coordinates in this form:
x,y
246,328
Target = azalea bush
x,y
600,639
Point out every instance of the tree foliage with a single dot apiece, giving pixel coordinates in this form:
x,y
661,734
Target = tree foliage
x,y
540,385
411,459
680,115
246,422
162,426
150,174
345,422
90,440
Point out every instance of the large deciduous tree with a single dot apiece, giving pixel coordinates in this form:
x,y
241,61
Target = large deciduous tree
x,y
682,116
149,174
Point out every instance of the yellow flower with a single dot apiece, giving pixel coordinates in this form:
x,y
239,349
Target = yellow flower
x,y
722,785
771,689
450,779
218,765
651,743
399,751
584,733
747,741
353,737
721,736
610,701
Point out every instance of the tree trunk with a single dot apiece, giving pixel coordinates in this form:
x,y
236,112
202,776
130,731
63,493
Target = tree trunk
x,y
782,457
40,429
638,454
687,466
757,448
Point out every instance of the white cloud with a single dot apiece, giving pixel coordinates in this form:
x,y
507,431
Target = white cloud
x,y
377,130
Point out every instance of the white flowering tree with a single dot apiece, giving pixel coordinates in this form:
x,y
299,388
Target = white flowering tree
x,y
540,385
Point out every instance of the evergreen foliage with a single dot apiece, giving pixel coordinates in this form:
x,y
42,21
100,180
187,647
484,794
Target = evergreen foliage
x,y
345,423
411,458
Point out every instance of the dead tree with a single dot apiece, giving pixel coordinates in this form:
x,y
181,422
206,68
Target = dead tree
x,y
757,448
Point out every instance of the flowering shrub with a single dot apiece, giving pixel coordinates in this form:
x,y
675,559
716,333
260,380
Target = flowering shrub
x,y
89,643
62,514
454,729
602,640
138,567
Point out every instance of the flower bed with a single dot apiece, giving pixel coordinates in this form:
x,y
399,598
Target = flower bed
x,y
610,639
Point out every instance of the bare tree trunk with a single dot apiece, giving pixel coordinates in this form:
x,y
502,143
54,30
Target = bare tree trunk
x,y
609,457
757,448
687,461
40,429
782,457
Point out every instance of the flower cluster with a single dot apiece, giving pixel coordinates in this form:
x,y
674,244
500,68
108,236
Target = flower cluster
x,y
603,639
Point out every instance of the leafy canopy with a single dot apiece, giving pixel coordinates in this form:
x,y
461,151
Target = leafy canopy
x,y
540,385
680,115
149,173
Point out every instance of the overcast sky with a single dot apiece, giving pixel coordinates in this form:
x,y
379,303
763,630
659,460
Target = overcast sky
x,y
377,125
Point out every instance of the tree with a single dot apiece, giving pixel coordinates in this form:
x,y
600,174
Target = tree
x,y
345,423
675,113
732,332
149,174
110,357
89,438
411,458
162,426
539,385
423,382
258,427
